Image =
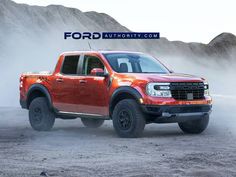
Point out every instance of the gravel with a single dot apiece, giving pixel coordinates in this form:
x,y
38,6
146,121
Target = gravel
x,y
72,150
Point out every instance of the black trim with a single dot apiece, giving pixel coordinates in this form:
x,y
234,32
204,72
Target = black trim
x,y
159,109
124,89
41,88
178,119
71,115
80,64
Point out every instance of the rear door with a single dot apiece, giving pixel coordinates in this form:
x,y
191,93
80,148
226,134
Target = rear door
x,y
91,91
63,85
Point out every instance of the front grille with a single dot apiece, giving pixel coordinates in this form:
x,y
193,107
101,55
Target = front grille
x,y
187,90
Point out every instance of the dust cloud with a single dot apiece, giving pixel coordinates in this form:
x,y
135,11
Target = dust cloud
x,y
39,51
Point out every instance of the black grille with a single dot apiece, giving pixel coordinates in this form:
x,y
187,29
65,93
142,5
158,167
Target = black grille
x,y
187,90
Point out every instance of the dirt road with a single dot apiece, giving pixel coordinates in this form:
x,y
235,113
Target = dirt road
x,y
71,150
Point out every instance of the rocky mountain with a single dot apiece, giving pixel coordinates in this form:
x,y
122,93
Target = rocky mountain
x,y
36,23
222,43
224,40
32,37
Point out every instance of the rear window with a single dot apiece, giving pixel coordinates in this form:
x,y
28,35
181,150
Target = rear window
x,y
70,65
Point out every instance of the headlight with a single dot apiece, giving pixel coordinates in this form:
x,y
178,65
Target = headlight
x,y
158,90
206,89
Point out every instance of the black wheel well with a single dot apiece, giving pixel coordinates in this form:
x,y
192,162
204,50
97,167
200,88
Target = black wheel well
x,y
34,94
119,97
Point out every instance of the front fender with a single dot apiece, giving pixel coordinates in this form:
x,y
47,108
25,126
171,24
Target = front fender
x,y
124,89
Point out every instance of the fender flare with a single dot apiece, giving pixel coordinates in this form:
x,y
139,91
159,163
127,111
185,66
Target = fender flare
x,y
41,88
124,89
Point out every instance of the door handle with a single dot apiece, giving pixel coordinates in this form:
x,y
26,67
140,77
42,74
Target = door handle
x,y
59,80
82,81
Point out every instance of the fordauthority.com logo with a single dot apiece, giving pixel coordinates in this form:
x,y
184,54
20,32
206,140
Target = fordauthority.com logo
x,y
111,35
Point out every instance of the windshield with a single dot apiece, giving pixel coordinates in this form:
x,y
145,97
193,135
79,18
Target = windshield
x,y
134,63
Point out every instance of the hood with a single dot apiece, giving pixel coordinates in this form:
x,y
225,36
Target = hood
x,y
170,77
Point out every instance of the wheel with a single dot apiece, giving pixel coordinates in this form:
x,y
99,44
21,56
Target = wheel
x,y
92,123
195,126
128,119
40,116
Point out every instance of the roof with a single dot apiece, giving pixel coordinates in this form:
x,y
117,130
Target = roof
x,y
99,51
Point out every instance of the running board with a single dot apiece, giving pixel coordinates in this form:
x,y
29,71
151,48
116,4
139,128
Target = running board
x,y
82,115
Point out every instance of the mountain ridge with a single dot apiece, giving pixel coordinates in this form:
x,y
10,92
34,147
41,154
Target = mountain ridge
x,y
23,19
32,37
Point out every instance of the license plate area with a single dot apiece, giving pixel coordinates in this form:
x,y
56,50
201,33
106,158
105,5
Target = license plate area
x,y
189,96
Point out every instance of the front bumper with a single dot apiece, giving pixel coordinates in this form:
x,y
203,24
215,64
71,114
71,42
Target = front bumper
x,y
176,113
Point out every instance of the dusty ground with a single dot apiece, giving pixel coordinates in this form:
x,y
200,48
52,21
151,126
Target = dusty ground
x,y
72,150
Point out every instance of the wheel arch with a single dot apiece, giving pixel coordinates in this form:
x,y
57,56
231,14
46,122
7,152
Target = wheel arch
x,y
124,92
38,90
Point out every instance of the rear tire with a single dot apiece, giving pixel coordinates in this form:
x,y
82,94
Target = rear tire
x,y
92,123
128,119
195,126
41,118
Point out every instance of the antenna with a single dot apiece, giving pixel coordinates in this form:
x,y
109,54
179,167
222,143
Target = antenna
x,y
89,46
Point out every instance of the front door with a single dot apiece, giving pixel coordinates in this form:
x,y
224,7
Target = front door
x,y
91,90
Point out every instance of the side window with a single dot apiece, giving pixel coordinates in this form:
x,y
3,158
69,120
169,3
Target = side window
x,y
91,62
70,65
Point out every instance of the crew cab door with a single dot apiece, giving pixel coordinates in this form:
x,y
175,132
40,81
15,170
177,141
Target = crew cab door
x,y
63,86
91,91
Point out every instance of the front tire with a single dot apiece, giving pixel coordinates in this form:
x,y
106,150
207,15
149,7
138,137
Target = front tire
x,y
92,123
41,118
128,119
195,126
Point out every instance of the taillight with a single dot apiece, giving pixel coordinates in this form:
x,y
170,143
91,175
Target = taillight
x,y
21,81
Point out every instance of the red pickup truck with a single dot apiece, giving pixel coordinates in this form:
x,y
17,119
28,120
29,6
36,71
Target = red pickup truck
x,y
130,88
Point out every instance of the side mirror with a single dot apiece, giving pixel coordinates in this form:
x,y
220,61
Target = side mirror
x,y
171,71
98,72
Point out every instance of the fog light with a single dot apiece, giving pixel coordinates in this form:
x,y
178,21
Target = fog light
x,y
141,100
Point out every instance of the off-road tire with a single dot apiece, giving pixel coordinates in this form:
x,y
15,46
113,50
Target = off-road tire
x,y
195,126
92,123
128,119
41,118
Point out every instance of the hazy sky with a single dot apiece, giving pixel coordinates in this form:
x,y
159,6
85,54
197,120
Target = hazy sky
x,y
186,20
